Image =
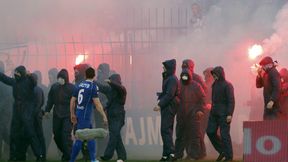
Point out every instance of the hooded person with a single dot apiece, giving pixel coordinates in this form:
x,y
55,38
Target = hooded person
x,y
47,123
168,105
103,73
269,79
22,132
283,101
223,104
189,114
59,99
5,114
116,94
189,64
39,102
52,76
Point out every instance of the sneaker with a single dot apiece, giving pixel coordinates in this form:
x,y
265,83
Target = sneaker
x,y
220,157
164,158
120,160
95,161
172,157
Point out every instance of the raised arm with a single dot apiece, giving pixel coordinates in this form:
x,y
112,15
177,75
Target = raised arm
x,y
7,80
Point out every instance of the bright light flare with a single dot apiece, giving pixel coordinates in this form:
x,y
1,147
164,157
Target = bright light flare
x,y
80,58
255,51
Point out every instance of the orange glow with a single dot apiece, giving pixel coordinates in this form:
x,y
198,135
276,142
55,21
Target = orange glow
x,y
255,51
80,58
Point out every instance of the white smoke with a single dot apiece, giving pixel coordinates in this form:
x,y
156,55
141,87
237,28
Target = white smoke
x,y
278,39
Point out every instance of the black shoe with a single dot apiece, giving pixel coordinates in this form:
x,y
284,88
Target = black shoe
x,y
220,157
104,158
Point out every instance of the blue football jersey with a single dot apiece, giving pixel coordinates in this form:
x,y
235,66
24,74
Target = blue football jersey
x,y
84,93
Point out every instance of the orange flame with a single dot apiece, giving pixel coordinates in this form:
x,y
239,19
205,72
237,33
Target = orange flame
x,y
255,51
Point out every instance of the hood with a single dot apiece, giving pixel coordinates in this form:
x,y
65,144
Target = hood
x,y
35,77
53,75
103,71
170,66
284,74
116,78
219,72
265,61
187,72
79,72
22,70
188,64
2,67
63,73
207,71
38,75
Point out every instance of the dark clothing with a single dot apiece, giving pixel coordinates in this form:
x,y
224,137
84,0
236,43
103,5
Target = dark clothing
x,y
188,64
223,104
22,132
168,102
283,101
5,117
62,128
272,88
59,99
103,72
223,101
188,132
39,100
116,94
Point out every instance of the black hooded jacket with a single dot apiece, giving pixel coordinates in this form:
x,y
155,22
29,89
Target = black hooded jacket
x,y
170,85
59,96
116,94
223,100
271,82
23,87
192,96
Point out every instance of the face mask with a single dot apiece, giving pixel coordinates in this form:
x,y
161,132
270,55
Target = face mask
x,y
215,77
17,75
184,77
61,81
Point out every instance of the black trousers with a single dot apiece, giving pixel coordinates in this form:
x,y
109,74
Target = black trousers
x,y
62,128
272,114
23,132
188,136
223,143
39,132
167,124
116,122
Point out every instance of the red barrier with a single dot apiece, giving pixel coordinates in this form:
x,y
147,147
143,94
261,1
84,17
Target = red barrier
x,y
265,141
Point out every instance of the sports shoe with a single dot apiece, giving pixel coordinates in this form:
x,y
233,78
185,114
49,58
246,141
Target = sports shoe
x,y
220,157
120,160
164,158
104,158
